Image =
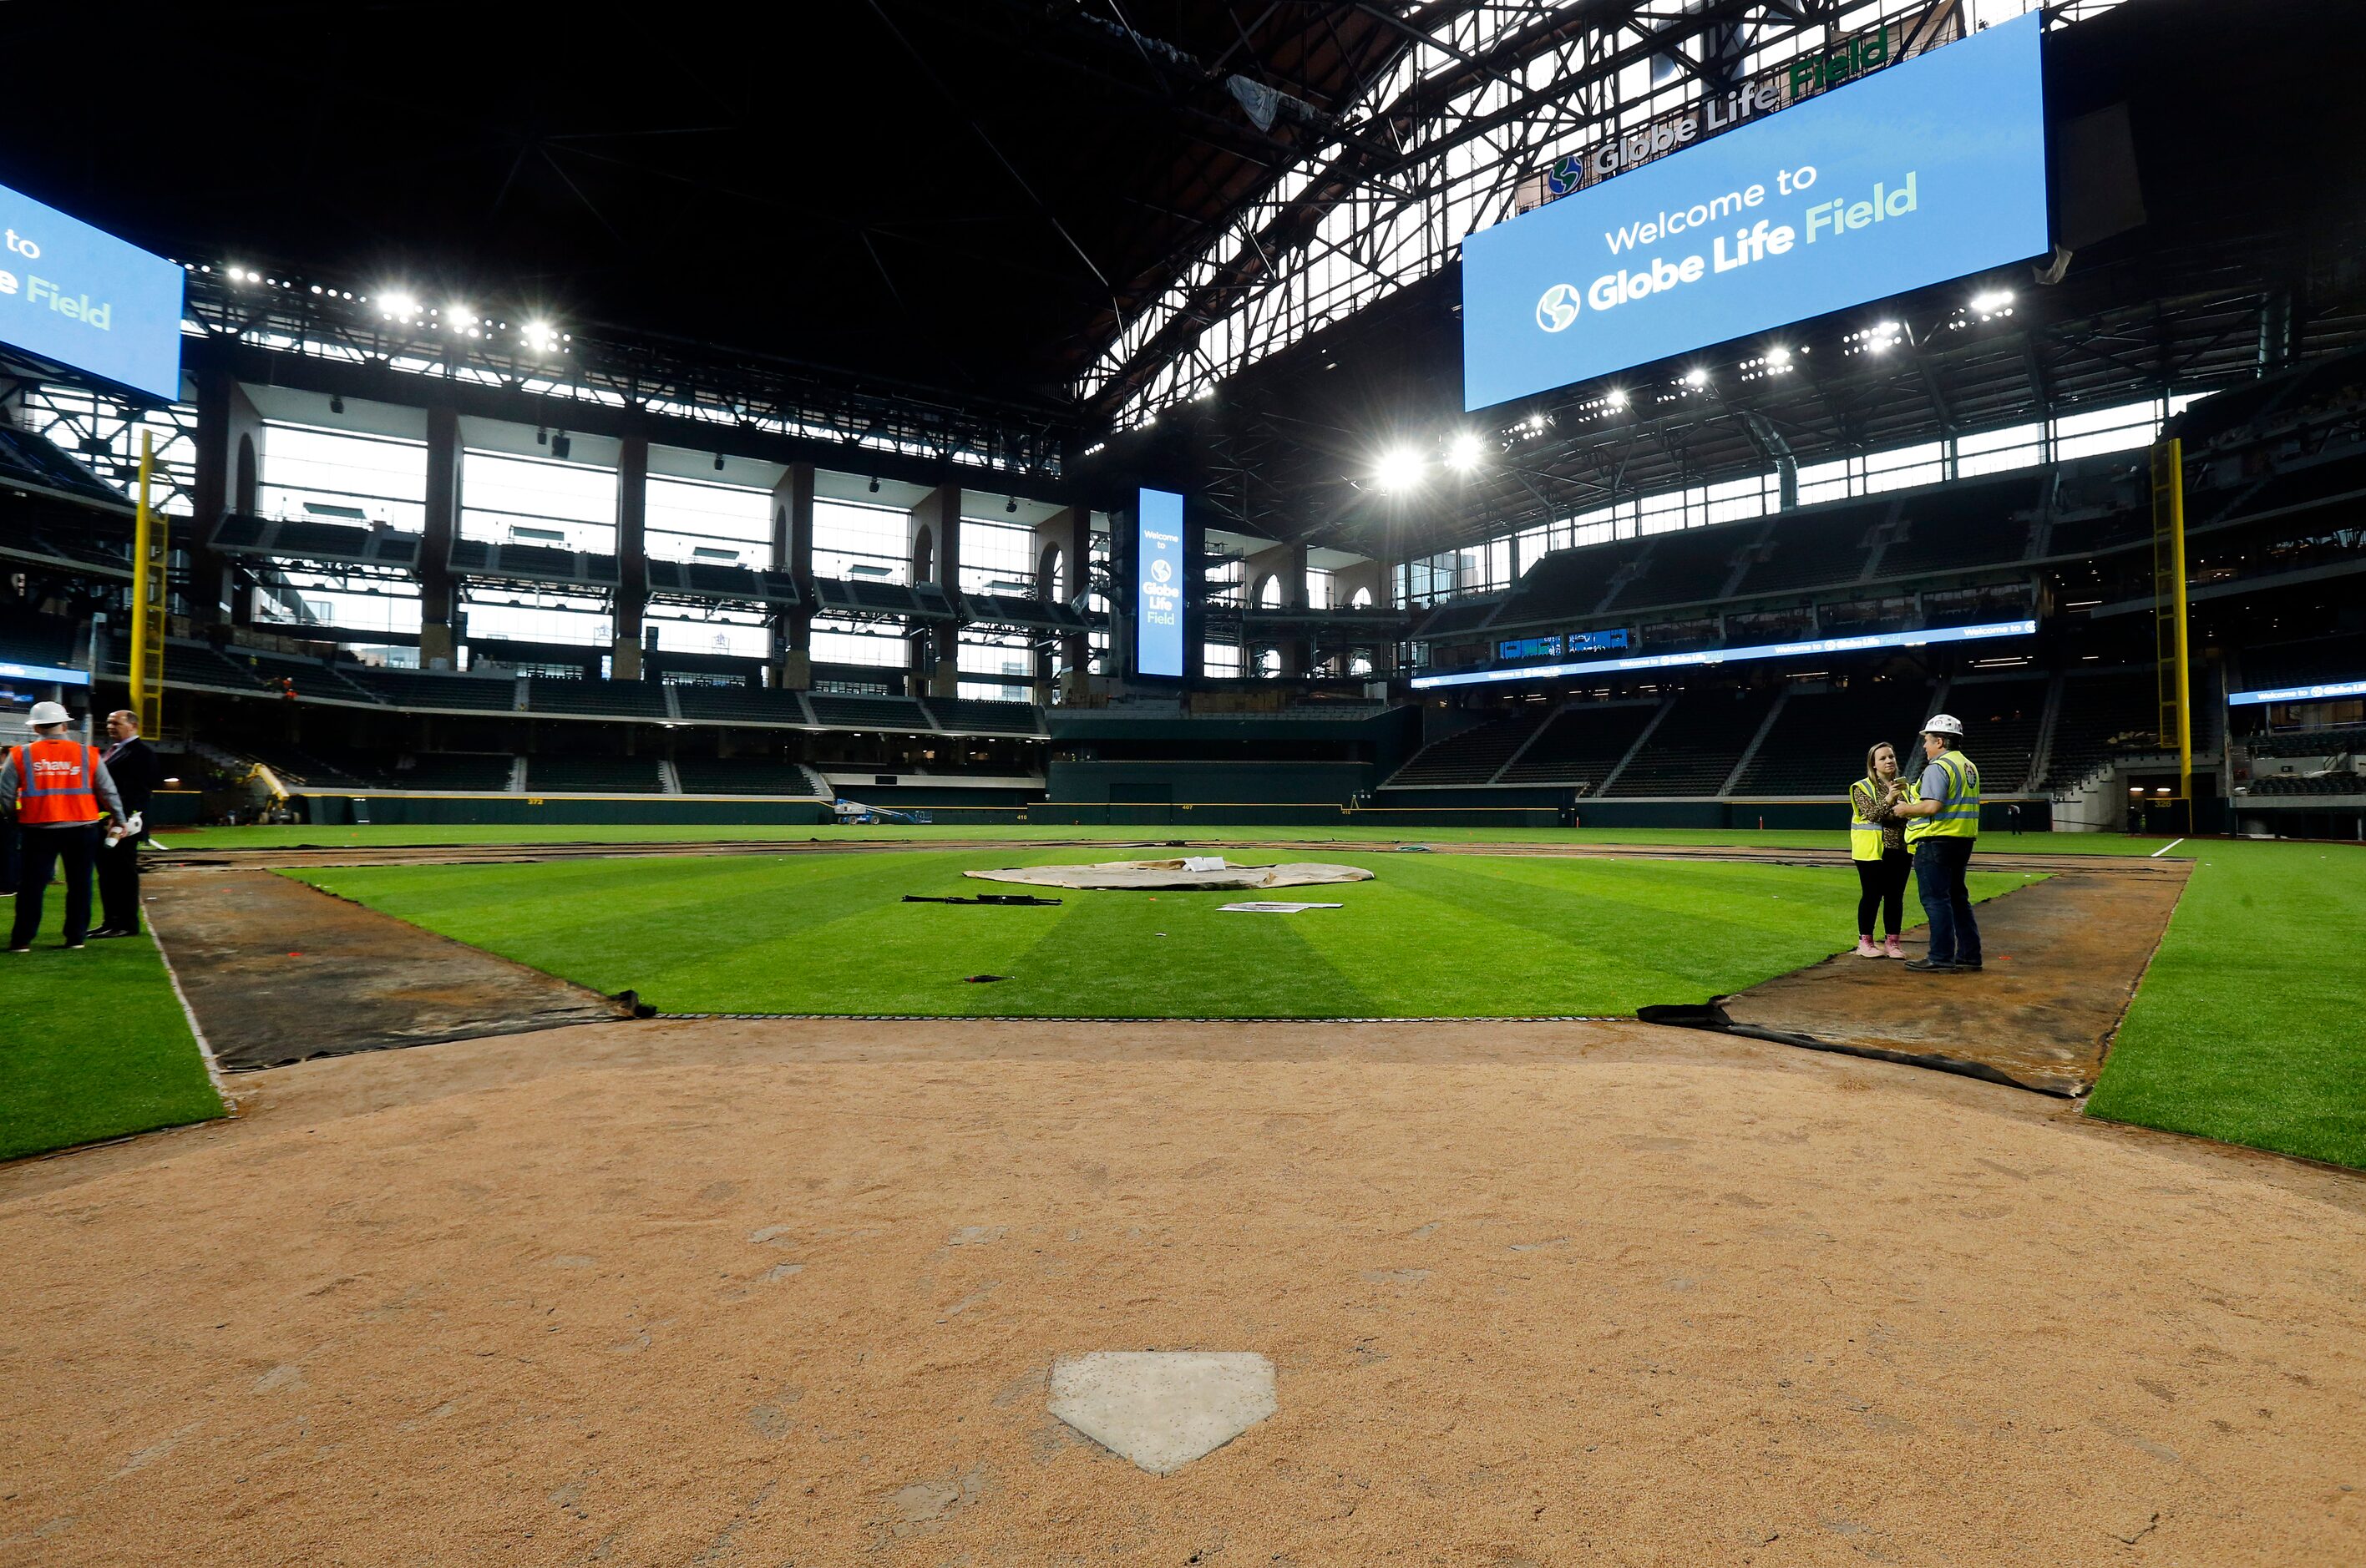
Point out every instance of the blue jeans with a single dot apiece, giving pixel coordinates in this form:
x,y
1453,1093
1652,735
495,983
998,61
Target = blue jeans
x,y
1939,865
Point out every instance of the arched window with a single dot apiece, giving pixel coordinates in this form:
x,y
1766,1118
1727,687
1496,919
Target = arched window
x,y
1269,662
1052,573
1269,593
1362,599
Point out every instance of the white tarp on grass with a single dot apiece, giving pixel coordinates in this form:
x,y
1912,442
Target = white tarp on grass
x,y
1177,874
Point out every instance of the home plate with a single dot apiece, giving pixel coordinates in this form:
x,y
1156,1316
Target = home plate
x,y
1162,1409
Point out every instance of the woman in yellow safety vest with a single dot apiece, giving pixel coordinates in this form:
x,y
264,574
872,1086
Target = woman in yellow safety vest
x,y
1877,845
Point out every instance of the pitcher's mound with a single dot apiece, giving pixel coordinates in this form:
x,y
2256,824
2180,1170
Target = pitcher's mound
x,y
1208,872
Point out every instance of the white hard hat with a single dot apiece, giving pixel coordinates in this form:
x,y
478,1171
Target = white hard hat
x,y
48,713
1943,724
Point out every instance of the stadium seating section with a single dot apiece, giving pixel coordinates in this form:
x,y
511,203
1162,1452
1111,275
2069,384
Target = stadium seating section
x,y
1684,567
2320,659
1818,742
901,715
1694,749
412,688
1469,757
35,462
965,717
2322,784
593,776
2336,741
740,705
471,773
2002,719
38,639
745,776
295,766
2102,716
1580,745
627,699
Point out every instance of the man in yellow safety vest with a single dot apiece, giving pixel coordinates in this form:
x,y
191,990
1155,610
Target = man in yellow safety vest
x,y
1941,829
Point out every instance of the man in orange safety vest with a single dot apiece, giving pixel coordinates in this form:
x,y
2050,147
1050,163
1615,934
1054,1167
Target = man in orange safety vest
x,y
60,792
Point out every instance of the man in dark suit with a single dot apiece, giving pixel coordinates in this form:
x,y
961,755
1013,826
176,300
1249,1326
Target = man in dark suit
x,y
131,762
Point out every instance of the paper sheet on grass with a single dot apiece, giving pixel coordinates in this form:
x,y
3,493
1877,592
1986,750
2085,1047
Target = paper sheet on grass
x,y
1256,908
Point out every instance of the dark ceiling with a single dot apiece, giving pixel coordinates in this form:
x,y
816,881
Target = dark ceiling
x,y
955,194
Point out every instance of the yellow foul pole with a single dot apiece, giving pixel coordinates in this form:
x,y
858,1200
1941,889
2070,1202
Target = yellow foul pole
x,y
150,548
2172,613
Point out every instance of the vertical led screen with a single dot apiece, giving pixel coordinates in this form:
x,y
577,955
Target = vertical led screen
x,y
82,298
1158,585
1929,170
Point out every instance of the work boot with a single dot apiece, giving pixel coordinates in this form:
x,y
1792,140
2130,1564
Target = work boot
x,y
1924,966
1893,948
1866,950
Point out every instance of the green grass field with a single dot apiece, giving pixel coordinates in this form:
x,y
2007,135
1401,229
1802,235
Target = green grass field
x,y
2246,1029
1433,936
956,833
2251,1025
92,1045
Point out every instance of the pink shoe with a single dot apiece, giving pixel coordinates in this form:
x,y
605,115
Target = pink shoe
x,y
1892,949
1866,950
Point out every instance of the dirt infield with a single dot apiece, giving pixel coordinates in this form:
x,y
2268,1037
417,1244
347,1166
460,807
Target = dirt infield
x,y
787,1292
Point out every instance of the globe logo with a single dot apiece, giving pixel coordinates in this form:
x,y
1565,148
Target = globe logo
x,y
1160,571
1558,308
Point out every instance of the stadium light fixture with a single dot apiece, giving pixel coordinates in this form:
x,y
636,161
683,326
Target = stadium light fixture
x,y
539,336
1616,397
398,304
1778,356
1399,469
1696,377
1465,452
1988,301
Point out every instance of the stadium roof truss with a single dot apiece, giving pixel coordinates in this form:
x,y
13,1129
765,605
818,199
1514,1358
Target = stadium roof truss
x,y
596,368
1434,147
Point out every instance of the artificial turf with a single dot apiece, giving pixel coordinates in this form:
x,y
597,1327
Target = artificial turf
x,y
92,1045
1433,936
2250,1025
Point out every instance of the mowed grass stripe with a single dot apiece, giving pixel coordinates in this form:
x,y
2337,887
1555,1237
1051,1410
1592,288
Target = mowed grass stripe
x,y
94,1044
1593,936
1432,937
582,898
2248,1026
1178,955
641,925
